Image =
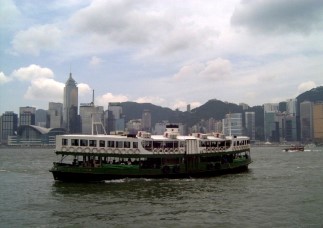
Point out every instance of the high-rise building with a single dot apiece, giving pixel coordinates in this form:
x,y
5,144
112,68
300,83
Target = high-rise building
x,y
70,112
318,123
91,118
291,106
41,118
8,126
270,124
250,124
306,121
116,121
27,116
55,114
232,124
146,121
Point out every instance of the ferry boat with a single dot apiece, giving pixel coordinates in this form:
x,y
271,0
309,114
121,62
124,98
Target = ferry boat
x,y
294,148
85,158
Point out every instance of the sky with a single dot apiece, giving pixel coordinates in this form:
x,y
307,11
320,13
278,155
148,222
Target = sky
x,y
168,53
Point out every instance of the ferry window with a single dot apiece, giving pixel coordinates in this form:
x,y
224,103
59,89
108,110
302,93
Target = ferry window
x,y
146,144
169,145
135,145
64,142
111,144
126,144
119,144
74,142
92,143
157,144
102,143
83,142
202,144
175,144
213,144
182,144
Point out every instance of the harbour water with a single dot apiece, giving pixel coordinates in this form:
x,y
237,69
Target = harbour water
x,y
280,190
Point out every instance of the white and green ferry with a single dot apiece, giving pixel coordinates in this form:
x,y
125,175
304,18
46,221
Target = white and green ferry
x,y
83,158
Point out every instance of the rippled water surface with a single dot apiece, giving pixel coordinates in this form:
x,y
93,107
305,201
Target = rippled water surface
x,y
279,190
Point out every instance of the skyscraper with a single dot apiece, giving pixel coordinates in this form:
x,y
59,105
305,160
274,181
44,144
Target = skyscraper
x,y
306,121
8,125
55,113
146,121
250,119
70,113
27,116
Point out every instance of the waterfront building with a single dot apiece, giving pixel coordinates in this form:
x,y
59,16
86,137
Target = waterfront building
x,y
291,106
8,126
70,112
27,116
306,121
250,125
232,124
133,126
55,115
41,118
146,121
31,135
91,118
271,128
116,121
318,123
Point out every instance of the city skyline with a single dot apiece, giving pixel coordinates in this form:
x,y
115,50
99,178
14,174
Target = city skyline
x,y
170,55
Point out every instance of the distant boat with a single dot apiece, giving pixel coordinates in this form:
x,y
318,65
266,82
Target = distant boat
x,y
104,157
294,148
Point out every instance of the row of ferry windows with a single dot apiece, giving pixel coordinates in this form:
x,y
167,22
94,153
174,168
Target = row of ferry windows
x,y
100,143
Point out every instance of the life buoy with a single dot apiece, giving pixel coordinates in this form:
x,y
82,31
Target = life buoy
x,y
102,150
64,148
176,150
71,149
94,150
166,169
87,149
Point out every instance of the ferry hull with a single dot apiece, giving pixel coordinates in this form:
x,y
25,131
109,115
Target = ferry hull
x,y
81,175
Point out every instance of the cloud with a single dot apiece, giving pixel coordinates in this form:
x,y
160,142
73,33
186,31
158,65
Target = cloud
x,y
305,86
151,99
45,89
279,17
213,70
4,79
32,72
95,61
83,89
109,97
36,39
9,14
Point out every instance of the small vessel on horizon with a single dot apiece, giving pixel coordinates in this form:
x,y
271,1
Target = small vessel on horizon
x,y
84,158
294,148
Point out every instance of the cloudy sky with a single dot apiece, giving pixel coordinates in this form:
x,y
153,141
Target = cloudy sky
x,y
169,53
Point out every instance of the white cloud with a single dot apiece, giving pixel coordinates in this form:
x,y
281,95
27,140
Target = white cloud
x,y
109,97
213,70
150,99
45,89
36,39
32,72
305,86
4,79
95,61
83,89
